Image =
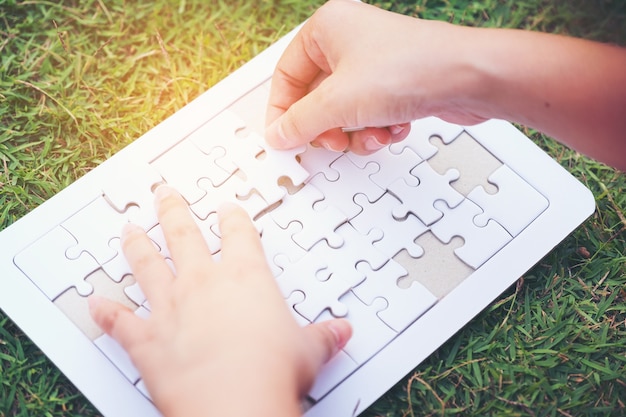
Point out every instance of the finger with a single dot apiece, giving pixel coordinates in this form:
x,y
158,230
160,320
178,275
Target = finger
x,y
148,266
292,77
324,340
184,239
240,239
399,132
369,140
319,111
334,140
117,321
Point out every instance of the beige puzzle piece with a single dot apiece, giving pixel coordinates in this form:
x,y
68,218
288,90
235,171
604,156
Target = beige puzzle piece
x,y
462,154
76,307
439,269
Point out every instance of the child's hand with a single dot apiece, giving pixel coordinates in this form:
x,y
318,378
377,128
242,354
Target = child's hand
x,y
220,339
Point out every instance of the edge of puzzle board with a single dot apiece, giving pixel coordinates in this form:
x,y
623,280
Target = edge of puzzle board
x,y
570,204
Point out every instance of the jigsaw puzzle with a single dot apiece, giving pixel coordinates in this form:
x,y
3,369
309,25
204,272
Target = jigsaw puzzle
x,y
344,240
407,244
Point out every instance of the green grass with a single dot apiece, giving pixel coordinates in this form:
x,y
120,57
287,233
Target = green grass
x,y
80,79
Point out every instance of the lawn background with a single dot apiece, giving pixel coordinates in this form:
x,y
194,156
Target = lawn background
x,y
81,79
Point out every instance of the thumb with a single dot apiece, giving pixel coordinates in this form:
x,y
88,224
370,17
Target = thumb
x,y
325,339
306,119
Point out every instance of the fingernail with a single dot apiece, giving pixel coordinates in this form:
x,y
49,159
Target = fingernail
x,y
371,143
396,129
342,332
129,229
163,191
329,146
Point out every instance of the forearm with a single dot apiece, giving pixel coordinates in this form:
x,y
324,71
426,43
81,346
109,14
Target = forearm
x,y
571,89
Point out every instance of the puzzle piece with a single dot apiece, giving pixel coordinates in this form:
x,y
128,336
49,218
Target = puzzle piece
x,y
228,191
316,224
421,131
267,169
369,333
117,268
218,132
462,154
405,305
310,276
391,166
128,187
420,200
398,234
356,248
481,243
317,160
296,297
261,165
44,262
351,177
93,227
184,165
514,206
274,238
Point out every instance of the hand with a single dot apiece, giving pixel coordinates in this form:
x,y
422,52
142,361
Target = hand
x,y
354,65
216,328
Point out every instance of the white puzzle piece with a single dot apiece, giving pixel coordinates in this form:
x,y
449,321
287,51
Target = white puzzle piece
x,y
420,200
515,205
45,263
481,243
404,305
396,234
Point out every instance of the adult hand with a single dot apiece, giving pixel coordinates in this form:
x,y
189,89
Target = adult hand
x,y
355,65
216,328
